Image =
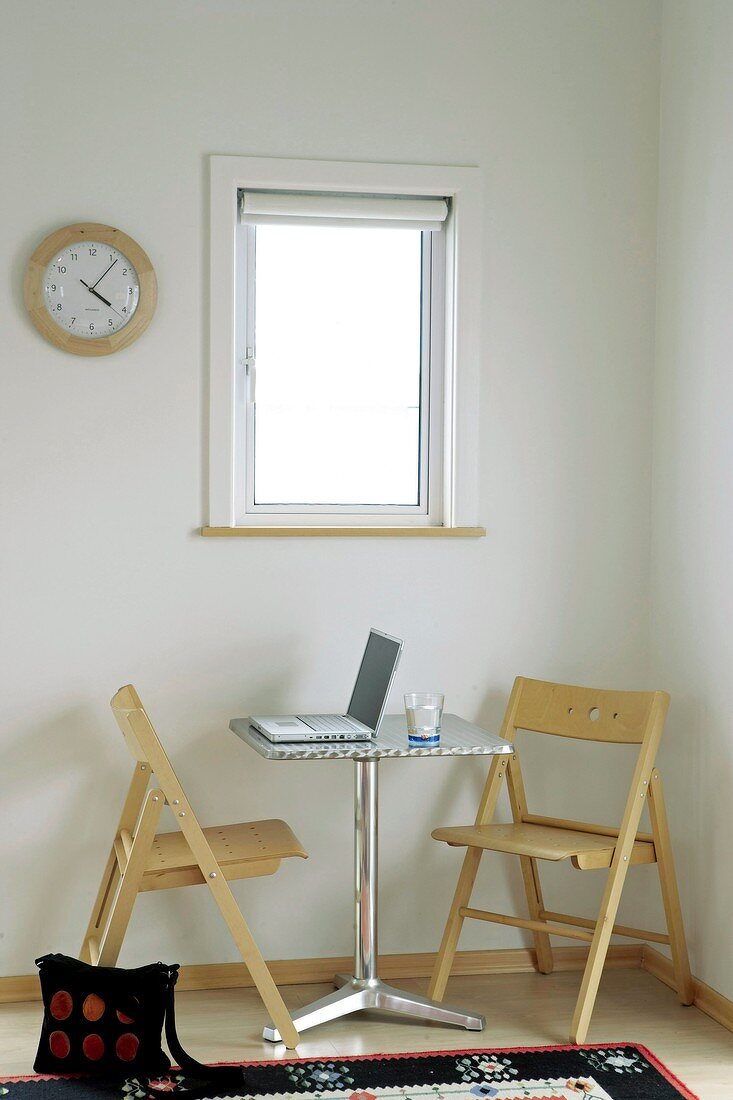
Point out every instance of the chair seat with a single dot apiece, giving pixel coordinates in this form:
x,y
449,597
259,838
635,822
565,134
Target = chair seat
x,y
242,851
586,850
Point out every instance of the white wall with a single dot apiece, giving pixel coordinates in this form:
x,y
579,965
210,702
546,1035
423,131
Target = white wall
x,y
111,116
693,529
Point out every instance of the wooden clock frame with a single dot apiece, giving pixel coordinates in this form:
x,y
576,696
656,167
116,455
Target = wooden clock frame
x,y
34,282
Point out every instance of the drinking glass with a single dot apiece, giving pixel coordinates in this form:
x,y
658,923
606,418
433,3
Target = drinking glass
x,y
424,710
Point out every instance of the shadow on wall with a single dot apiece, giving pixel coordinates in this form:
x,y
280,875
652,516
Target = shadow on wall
x,y
239,679
267,685
461,783
65,781
56,790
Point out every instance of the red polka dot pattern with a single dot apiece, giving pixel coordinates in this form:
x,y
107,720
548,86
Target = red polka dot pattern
x,y
132,1005
126,1047
93,1008
93,1047
61,1005
59,1044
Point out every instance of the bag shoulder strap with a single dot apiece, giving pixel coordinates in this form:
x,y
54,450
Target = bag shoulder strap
x,y
229,1078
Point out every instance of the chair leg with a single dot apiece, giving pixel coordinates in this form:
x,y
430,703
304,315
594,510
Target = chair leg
x,y
454,924
254,960
638,795
111,877
102,906
530,872
121,909
598,949
466,880
670,892
535,904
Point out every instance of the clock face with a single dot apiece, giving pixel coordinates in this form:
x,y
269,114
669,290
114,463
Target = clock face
x,y
91,290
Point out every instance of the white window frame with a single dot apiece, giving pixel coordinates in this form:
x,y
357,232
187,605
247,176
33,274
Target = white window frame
x,y
428,510
451,442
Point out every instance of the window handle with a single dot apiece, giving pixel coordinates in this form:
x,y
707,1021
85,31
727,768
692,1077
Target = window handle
x,y
250,371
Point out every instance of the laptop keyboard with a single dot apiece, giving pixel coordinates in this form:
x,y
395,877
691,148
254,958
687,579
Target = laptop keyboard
x,y
329,723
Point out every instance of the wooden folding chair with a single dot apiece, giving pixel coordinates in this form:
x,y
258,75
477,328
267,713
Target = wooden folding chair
x,y
590,715
141,859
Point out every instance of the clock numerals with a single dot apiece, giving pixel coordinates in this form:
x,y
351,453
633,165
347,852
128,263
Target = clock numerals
x,y
84,279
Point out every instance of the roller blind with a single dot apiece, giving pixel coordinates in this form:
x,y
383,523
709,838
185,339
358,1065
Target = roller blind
x,y
311,208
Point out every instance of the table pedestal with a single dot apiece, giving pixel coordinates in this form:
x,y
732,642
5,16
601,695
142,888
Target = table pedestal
x,y
365,989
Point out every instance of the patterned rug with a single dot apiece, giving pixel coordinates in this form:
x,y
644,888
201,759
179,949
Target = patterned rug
x,y
622,1072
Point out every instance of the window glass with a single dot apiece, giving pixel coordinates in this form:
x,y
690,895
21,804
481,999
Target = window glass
x,y
337,326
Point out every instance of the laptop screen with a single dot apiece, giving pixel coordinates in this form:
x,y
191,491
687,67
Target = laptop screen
x,y
372,683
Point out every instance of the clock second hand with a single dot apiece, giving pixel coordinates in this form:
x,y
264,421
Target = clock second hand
x,y
97,295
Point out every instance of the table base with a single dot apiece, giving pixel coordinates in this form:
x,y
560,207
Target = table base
x,y
355,995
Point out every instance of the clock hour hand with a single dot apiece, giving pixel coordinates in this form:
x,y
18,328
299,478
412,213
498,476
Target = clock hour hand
x,y
96,295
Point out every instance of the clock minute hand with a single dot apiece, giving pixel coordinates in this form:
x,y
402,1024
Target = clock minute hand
x,y
103,275
96,295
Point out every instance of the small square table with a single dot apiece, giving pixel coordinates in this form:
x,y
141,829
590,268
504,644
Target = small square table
x,y
364,988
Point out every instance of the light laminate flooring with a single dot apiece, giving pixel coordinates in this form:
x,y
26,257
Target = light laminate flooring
x,y
521,1010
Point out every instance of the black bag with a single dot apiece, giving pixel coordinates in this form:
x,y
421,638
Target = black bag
x,y
108,1021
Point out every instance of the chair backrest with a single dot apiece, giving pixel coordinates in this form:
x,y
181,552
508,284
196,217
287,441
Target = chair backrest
x,y
588,714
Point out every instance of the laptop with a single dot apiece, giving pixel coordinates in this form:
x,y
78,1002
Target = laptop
x,y
366,707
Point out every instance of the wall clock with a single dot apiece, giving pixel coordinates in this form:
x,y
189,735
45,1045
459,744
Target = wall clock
x,y
90,289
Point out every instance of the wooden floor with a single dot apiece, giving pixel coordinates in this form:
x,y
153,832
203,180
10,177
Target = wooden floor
x,y
520,1009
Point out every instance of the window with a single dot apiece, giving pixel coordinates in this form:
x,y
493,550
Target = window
x,y
335,318
336,407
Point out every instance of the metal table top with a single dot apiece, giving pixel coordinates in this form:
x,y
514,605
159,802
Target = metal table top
x,y
458,738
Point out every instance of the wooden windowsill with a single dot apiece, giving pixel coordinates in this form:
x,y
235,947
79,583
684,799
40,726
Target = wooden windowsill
x,y
345,532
